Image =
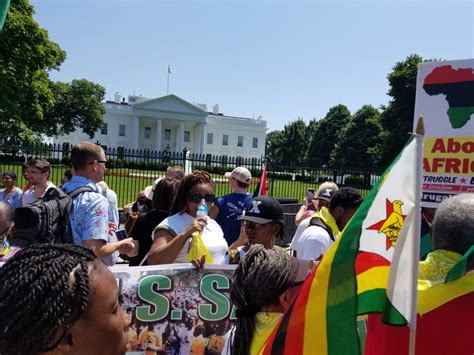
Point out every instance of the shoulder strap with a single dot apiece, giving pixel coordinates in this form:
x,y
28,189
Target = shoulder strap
x,y
80,190
318,222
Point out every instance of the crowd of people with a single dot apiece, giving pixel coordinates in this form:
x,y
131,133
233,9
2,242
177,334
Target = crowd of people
x,y
62,284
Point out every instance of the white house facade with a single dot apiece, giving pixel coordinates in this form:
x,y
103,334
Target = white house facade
x,y
173,124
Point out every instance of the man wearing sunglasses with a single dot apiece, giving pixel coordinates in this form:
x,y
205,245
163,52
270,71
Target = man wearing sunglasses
x,y
89,220
323,228
232,205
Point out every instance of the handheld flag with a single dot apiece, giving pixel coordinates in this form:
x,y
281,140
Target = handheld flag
x,y
262,191
353,276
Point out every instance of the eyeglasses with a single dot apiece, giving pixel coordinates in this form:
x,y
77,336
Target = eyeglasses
x,y
99,161
196,197
255,226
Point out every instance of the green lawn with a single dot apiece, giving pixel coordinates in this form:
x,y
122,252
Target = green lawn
x,y
128,182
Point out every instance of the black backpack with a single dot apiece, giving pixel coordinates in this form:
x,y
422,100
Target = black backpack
x,y
47,219
318,222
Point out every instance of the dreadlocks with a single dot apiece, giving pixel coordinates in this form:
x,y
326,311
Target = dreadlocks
x,y
185,185
45,285
261,277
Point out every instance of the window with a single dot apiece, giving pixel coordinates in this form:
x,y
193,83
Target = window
x,y
209,138
147,132
240,141
167,134
187,136
122,130
225,139
255,142
104,129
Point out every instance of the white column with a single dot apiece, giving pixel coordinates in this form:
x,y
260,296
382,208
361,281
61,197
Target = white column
x,y
202,131
180,137
158,134
136,133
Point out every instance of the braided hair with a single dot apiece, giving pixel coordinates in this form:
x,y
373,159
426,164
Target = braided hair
x,y
261,277
45,290
185,185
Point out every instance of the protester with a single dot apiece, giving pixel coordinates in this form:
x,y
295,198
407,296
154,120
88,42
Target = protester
x,y
10,194
37,173
113,212
427,216
313,239
89,216
262,222
321,199
59,299
6,230
171,236
445,320
263,287
142,231
232,205
28,185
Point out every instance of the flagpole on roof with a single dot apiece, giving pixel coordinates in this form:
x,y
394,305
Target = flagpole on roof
x,y
168,81
419,134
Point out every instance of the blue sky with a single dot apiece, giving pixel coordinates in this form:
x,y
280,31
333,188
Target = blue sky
x,y
278,59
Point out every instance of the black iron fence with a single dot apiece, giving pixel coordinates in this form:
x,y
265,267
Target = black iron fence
x,y
130,171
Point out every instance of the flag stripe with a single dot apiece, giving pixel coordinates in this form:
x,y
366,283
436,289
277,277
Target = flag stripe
x,y
435,296
366,260
373,278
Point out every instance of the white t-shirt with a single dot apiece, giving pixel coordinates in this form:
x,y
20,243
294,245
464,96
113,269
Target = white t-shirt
x,y
212,236
29,196
310,242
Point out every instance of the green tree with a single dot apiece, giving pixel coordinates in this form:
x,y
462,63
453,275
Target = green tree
x,y
294,142
397,116
31,104
325,134
273,146
361,133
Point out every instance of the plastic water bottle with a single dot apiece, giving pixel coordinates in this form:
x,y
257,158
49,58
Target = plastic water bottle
x,y
202,209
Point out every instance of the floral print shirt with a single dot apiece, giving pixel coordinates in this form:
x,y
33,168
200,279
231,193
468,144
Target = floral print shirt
x,y
89,218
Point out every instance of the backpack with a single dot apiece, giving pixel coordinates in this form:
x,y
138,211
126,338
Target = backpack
x,y
47,219
318,222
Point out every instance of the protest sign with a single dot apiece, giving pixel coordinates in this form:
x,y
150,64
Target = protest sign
x,y
176,309
445,99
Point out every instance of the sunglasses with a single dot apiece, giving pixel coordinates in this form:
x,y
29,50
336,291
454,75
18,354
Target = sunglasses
x,y
99,161
255,226
196,198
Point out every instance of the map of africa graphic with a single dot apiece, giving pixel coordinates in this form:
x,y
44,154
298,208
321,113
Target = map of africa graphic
x,y
458,86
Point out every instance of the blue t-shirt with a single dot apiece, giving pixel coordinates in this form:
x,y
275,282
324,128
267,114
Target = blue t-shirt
x,y
13,199
231,207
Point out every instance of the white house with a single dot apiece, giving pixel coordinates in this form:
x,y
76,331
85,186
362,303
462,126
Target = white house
x,y
171,123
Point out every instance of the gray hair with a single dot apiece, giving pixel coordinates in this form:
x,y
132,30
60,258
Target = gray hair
x,y
6,215
453,224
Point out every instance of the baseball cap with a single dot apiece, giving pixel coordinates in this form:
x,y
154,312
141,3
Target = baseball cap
x,y
240,174
300,270
149,192
263,210
326,194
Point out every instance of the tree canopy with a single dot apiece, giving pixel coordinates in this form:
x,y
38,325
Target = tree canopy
x,y
31,105
369,139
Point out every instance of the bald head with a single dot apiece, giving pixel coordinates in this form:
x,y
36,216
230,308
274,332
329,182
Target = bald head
x,y
453,224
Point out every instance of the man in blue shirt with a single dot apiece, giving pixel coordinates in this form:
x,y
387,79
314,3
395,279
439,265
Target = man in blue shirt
x,y
89,216
232,205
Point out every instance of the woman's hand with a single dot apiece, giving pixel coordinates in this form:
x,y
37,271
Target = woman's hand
x,y
199,263
196,225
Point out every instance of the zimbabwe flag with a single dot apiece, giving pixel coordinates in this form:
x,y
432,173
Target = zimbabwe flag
x,y
372,267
